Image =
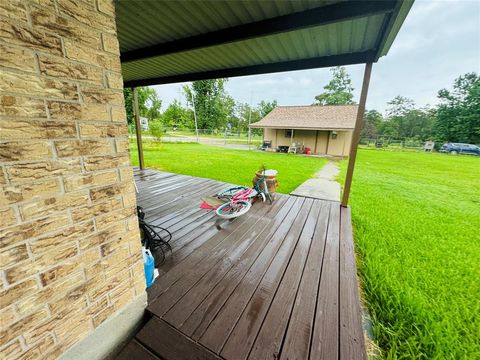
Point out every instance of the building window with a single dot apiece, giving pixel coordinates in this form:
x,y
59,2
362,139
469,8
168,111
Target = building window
x,y
288,133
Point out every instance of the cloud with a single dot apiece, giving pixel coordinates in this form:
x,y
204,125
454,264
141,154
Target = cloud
x,y
439,41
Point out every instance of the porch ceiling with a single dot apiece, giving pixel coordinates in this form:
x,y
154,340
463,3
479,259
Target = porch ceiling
x,y
172,41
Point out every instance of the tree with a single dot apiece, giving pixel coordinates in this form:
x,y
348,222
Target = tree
x,y
458,115
405,121
372,121
177,115
156,129
128,97
212,105
338,91
397,110
399,106
245,114
148,103
227,109
417,123
264,107
154,104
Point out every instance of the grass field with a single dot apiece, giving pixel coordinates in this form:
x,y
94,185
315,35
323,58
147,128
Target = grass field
x,y
417,222
229,165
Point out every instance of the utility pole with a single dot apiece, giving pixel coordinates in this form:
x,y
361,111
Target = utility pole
x,y
195,115
249,130
249,120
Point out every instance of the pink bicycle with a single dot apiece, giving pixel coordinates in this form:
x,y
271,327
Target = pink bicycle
x,y
240,198
239,201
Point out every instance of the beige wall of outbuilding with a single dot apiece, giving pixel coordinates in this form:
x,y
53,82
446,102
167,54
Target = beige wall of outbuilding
x,y
70,248
341,145
319,141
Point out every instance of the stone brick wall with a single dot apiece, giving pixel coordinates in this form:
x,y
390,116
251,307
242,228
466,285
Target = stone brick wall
x,y
69,242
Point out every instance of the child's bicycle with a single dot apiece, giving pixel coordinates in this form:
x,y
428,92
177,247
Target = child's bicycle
x,y
240,198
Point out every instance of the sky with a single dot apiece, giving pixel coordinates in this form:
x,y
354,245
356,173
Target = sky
x,y
439,40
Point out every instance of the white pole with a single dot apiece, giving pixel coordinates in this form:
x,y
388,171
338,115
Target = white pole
x,y
249,120
249,130
195,115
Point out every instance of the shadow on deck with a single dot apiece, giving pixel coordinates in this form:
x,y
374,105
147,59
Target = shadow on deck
x,y
277,283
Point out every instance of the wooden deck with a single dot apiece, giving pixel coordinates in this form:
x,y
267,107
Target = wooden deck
x,y
277,283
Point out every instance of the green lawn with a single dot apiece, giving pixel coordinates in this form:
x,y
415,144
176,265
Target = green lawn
x,y
229,165
416,219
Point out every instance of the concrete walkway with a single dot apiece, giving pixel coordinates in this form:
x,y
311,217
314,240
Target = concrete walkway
x,y
322,186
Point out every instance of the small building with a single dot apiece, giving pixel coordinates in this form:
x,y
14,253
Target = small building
x,y
325,130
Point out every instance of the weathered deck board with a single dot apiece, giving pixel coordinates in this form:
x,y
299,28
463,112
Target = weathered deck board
x,y
325,329
135,350
277,283
169,343
242,255
270,337
231,248
223,243
303,315
200,319
246,329
211,241
224,323
352,341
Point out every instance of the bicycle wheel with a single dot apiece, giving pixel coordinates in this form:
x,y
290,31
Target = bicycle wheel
x,y
262,195
230,211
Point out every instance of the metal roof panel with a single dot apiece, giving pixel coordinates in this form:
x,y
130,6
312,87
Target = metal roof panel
x,y
159,33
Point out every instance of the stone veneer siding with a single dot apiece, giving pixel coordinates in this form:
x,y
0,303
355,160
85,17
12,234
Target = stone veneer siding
x,y
69,241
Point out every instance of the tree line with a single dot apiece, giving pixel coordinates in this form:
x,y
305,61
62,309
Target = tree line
x,y
455,119
214,108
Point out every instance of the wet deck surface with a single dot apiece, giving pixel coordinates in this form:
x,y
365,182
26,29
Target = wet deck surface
x,y
277,283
